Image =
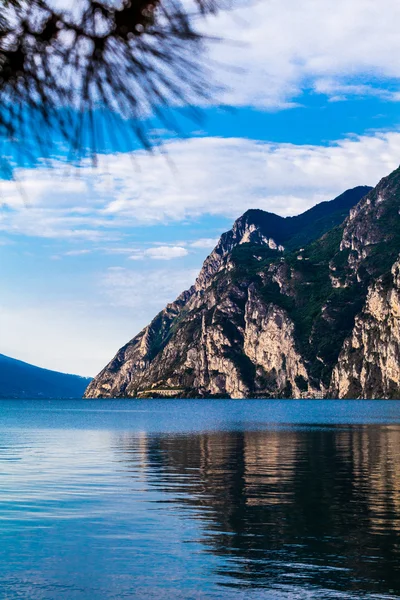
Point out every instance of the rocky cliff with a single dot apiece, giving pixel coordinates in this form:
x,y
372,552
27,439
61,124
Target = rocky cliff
x,y
369,363
302,306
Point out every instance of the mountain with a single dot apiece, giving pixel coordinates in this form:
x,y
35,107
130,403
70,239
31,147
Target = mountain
x,y
273,308
22,380
302,306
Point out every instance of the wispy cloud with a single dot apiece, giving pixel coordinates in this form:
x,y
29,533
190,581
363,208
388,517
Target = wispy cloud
x,y
156,251
161,253
77,252
207,243
283,178
337,90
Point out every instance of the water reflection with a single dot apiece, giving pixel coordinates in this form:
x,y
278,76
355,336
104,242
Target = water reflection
x,y
310,506
218,500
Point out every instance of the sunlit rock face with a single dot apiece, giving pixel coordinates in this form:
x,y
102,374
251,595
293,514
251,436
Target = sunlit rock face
x,y
304,306
270,344
252,228
369,364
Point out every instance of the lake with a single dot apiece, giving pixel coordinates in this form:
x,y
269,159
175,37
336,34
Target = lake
x,y
196,499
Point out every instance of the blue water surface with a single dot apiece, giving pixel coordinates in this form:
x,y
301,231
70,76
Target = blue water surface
x,y
193,499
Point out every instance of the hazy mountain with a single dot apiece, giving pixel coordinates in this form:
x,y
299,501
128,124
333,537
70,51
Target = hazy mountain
x,y
307,305
22,380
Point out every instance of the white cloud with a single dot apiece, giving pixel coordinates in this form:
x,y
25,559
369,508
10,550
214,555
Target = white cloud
x,y
273,50
212,176
77,252
337,90
166,252
159,253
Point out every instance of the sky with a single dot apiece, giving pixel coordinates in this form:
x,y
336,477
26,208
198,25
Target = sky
x,y
307,106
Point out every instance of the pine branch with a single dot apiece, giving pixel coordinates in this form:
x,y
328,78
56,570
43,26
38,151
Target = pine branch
x,y
129,60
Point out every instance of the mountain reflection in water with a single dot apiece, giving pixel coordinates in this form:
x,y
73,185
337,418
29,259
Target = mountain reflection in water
x,y
320,505
199,500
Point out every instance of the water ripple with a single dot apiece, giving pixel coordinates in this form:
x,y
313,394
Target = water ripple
x,y
142,503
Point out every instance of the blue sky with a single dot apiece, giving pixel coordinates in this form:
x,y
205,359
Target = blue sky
x,y
311,108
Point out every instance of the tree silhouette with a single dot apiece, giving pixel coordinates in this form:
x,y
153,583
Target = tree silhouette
x,y
126,60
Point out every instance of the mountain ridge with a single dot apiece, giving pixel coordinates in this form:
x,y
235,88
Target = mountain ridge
x,y
262,227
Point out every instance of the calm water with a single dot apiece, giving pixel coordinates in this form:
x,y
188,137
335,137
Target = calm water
x,y
199,499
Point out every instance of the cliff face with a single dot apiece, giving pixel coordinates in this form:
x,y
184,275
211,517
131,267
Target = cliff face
x,y
304,306
369,363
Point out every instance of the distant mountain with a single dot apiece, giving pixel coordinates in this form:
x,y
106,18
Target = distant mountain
x,y
303,306
292,232
22,380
